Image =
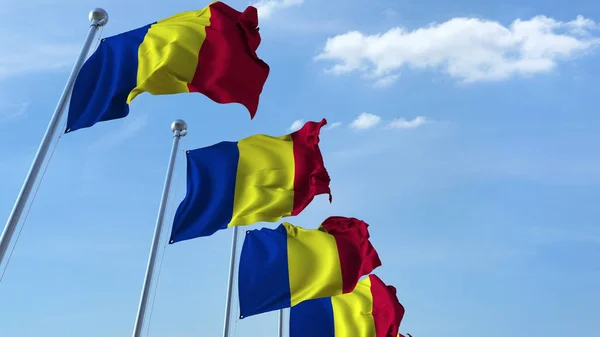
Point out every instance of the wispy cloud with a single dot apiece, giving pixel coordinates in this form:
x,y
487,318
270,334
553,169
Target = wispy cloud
x,y
465,158
23,55
332,126
468,252
266,8
356,151
9,112
368,120
401,123
390,13
133,125
548,235
386,81
468,49
365,121
305,26
296,125
75,249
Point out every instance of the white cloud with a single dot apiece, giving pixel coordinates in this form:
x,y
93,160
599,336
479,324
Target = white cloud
x,y
365,121
390,13
386,81
467,49
12,111
132,125
549,235
23,55
333,125
581,25
401,123
266,8
296,125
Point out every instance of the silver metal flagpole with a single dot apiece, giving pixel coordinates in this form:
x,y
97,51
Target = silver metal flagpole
x,y
232,259
98,18
280,323
179,129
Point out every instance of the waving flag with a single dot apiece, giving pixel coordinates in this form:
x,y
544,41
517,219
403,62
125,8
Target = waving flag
x,y
371,310
259,178
282,267
211,51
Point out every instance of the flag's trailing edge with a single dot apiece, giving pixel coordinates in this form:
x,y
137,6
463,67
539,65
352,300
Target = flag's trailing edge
x,y
282,267
259,178
371,310
211,51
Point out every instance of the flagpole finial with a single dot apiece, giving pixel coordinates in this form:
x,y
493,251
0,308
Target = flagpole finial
x,y
179,127
98,16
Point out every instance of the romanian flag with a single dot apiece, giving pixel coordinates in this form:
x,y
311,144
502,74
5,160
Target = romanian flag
x,y
282,267
211,51
371,310
259,178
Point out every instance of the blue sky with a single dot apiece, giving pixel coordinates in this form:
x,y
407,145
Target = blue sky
x,y
468,141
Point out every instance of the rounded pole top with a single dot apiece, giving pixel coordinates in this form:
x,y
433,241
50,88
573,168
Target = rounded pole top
x,y
179,125
99,15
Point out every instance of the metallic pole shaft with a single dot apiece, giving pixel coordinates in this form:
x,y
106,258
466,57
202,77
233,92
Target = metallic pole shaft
x,y
98,18
280,321
179,129
232,259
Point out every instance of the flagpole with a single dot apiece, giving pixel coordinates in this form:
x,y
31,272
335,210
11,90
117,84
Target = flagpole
x,y
280,323
179,129
232,258
98,18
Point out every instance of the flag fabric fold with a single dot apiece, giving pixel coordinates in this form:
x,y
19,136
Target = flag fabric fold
x,y
211,51
259,178
282,267
371,310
